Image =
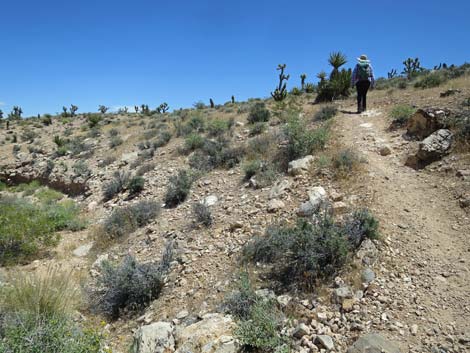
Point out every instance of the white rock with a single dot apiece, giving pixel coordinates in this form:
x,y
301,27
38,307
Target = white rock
x,y
154,338
300,166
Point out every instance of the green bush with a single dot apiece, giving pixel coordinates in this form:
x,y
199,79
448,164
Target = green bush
x,y
116,185
202,214
80,169
93,120
163,138
296,91
257,128
361,224
193,142
178,188
217,127
36,312
127,219
432,79
130,284
345,161
115,141
264,173
301,254
258,113
302,141
136,185
26,227
401,113
216,154
326,112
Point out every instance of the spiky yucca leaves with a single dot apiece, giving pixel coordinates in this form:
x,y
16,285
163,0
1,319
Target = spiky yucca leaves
x,y
412,67
392,73
302,80
336,59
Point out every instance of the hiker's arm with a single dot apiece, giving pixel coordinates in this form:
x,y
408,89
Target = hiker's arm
x,y
372,78
353,76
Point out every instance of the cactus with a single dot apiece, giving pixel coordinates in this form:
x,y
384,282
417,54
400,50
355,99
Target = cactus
x,y
412,67
103,109
211,101
392,73
233,99
280,93
73,109
302,81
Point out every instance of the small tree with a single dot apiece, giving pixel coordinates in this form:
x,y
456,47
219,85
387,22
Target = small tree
x,y
280,93
136,108
103,109
302,81
163,108
73,109
412,67
211,101
15,113
392,73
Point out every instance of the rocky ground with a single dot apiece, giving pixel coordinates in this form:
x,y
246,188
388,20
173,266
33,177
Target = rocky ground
x,y
411,287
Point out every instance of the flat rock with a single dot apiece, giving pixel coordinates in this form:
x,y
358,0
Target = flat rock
x,y
300,166
367,275
325,341
210,200
275,205
83,250
373,343
154,338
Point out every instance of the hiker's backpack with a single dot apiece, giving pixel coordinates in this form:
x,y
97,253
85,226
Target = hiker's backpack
x,y
363,71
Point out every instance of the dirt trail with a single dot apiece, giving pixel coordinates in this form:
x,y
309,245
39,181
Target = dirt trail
x,y
423,274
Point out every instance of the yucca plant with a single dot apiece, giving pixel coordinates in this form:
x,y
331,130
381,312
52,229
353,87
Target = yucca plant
x,y
302,80
336,59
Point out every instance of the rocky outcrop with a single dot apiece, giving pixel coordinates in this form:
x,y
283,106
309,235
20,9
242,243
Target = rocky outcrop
x,y
431,149
213,334
373,343
300,166
316,196
154,338
426,121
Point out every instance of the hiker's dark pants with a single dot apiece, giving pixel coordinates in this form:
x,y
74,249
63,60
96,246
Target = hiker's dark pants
x,y
362,88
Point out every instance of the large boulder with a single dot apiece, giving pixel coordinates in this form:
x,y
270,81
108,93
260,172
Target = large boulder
x,y
425,121
431,149
373,343
154,338
300,166
213,334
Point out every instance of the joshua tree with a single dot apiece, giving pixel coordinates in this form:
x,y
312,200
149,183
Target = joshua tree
x,y
15,113
321,76
280,93
211,103
411,67
103,109
136,108
392,73
163,108
336,59
1,114
233,99
73,109
302,81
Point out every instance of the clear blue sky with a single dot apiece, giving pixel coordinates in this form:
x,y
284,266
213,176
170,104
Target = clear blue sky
x,y
91,52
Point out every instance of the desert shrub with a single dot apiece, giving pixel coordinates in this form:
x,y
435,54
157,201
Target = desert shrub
x,y
162,139
261,146
202,214
46,195
216,154
326,112
129,285
258,113
199,105
217,127
16,149
296,91
178,188
145,168
106,161
115,141
77,146
94,133
36,316
113,132
257,128
116,185
301,254
80,169
400,114
26,227
240,302
302,141
264,173
136,185
345,161
432,79
27,188
338,86
28,136
93,120
361,225
127,219
193,142
150,134
461,125
47,120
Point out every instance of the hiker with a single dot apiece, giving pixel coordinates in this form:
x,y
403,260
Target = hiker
x,y
363,79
